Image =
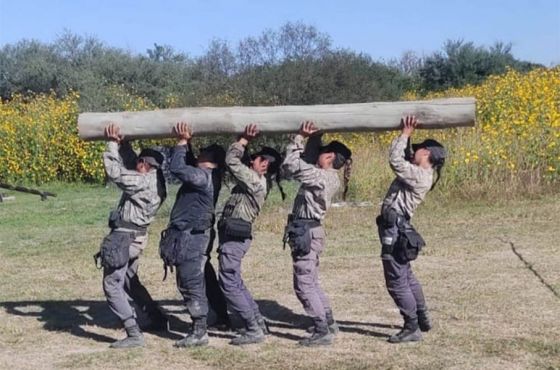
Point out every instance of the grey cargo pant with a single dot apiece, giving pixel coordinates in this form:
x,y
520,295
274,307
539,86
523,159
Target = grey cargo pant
x,y
400,281
190,274
403,287
306,279
237,295
121,283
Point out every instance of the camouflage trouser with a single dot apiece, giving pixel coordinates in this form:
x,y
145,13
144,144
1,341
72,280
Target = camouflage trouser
x,y
121,283
190,275
237,295
306,279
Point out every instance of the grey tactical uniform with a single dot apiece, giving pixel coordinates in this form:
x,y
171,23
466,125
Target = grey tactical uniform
x,y
245,202
192,214
318,186
406,192
138,205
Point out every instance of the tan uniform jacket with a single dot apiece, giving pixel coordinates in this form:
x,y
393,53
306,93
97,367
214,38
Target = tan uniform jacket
x,y
248,195
318,186
410,186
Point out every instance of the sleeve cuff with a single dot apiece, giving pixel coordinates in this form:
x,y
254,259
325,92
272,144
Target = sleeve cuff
x,y
112,146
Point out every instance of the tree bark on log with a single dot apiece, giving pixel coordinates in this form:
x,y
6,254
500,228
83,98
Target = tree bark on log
x,y
431,114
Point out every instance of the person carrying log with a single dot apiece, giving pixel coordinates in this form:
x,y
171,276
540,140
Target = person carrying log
x,y
143,192
316,169
400,243
235,230
186,241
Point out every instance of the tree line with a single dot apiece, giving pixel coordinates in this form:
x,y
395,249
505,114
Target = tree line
x,y
295,64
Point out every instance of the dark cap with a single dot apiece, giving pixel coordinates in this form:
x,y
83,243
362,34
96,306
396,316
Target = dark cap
x,y
343,153
338,148
152,157
274,158
437,151
214,153
269,153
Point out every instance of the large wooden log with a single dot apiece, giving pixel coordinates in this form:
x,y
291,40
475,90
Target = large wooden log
x,y
439,113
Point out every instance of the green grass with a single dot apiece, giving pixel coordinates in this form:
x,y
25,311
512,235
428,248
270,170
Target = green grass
x,y
489,310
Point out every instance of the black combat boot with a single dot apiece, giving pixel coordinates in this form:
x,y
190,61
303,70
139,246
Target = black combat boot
x,y
409,333
262,323
333,326
321,335
198,337
253,334
424,321
134,338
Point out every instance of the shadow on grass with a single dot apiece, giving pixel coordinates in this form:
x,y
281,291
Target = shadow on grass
x,y
74,316
280,316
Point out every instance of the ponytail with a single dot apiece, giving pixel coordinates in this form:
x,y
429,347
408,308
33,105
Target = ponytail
x,y
161,187
437,166
347,174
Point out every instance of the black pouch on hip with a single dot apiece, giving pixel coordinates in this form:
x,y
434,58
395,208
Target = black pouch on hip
x,y
409,244
299,237
172,246
115,249
237,229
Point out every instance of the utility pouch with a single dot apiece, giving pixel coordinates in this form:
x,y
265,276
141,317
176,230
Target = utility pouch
x,y
115,249
237,229
409,244
299,236
172,246
114,218
387,224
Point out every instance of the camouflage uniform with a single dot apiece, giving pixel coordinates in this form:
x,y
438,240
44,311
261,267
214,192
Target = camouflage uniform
x,y
245,202
138,205
318,186
406,192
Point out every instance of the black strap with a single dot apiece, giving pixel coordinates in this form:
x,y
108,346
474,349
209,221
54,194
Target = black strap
x,y
165,266
97,260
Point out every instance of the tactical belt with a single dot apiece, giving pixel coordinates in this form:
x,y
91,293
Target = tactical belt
x,y
313,221
140,230
116,222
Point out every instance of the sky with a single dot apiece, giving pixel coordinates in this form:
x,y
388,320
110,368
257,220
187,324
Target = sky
x,y
382,29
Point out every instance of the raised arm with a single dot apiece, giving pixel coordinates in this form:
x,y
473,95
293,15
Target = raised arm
x,y
407,172
183,161
128,155
129,181
184,172
245,176
294,165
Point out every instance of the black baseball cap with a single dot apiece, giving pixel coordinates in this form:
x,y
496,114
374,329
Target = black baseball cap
x,y
152,157
214,153
338,148
437,151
